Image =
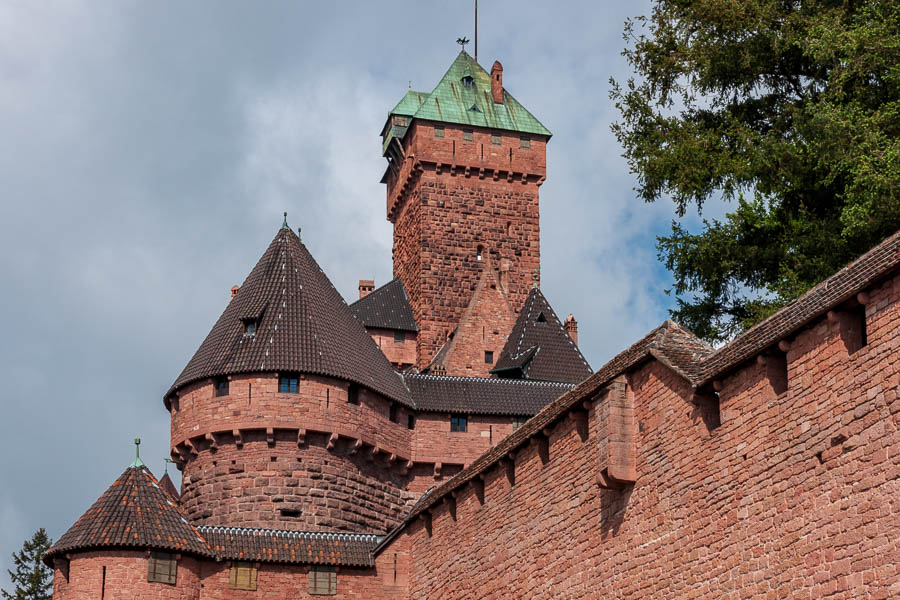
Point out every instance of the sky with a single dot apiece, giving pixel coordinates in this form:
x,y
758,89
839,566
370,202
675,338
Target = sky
x,y
148,151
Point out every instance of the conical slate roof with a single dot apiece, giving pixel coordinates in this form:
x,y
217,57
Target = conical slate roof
x,y
538,346
133,512
302,325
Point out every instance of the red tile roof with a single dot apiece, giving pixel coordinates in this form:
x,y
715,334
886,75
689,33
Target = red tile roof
x,y
266,545
302,325
133,512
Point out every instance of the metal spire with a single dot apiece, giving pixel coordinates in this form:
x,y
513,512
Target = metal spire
x,y
137,454
535,276
476,30
168,462
285,225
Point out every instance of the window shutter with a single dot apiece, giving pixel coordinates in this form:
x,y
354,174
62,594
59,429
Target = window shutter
x,y
162,568
322,581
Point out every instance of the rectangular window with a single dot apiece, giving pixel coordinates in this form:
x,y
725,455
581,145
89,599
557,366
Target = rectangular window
x,y
518,422
221,386
467,135
459,423
289,385
496,139
322,581
524,142
438,131
249,327
353,394
243,576
399,336
488,357
162,568
411,422
392,414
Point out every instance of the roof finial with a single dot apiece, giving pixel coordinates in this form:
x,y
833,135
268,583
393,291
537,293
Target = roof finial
x,y
168,462
462,42
298,234
535,276
137,454
285,225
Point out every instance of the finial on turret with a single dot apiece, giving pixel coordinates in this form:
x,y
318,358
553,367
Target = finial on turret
x,y
137,454
298,234
168,462
462,42
535,276
285,225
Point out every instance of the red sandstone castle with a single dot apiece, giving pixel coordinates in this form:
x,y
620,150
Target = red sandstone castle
x,y
443,437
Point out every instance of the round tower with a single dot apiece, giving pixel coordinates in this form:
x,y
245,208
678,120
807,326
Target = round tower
x,y
289,416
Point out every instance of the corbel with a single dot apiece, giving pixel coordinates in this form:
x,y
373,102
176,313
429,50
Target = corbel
x,y
496,175
270,436
509,176
618,467
478,486
211,438
718,385
437,469
450,501
373,453
392,458
784,346
332,440
238,438
863,298
468,171
301,437
357,445
191,448
481,173
761,360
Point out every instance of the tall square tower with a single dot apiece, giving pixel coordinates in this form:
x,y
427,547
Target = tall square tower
x,y
465,162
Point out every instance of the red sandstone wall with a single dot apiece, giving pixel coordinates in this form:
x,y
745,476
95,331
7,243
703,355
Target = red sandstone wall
x,y
277,582
126,578
447,201
400,354
434,442
795,495
246,480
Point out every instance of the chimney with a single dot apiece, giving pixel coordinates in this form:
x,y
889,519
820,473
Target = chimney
x,y
497,82
366,287
571,326
234,290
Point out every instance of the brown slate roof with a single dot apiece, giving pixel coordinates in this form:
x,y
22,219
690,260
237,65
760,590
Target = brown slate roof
x,y
538,346
302,325
168,487
386,308
481,396
133,512
679,349
267,545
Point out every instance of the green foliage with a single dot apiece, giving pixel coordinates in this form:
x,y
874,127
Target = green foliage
x,y
793,103
32,578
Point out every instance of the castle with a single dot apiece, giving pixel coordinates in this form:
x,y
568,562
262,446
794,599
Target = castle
x,y
443,436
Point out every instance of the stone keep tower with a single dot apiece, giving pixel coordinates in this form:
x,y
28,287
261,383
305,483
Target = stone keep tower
x,y
464,166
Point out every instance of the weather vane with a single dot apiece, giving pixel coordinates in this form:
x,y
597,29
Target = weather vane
x,y
462,42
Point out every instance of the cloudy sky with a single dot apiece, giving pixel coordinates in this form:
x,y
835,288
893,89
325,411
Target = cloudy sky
x,y
147,151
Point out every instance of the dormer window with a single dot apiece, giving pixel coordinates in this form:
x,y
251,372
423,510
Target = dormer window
x,y
249,327
468,82
541,318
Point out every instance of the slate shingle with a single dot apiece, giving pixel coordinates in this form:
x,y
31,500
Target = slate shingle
x,y
538,346
481,396
386,308
302,325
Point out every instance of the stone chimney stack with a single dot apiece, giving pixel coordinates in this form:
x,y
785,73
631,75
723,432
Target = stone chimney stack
x,y
366,287
497,82
234,290
571,326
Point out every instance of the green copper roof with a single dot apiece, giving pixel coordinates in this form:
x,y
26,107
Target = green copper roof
x,y
411,102
452,102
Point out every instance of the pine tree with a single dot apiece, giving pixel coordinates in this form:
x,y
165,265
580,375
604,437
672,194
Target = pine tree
x,y
32,578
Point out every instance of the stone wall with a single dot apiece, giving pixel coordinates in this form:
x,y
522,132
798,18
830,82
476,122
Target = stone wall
x,y
795,494
82,577
400,353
